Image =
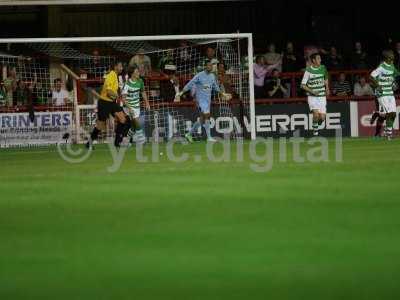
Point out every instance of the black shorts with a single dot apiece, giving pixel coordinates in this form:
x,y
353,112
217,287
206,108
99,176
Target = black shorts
x,y
107,108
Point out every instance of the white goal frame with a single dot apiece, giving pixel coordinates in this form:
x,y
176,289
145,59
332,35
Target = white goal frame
x,y
248,36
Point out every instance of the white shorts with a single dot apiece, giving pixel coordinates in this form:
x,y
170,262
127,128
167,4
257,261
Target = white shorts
x,y
133,113
387,104
317,103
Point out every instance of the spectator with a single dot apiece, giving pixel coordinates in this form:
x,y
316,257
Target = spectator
x,y
167,59
260,72
274,86
21,93
2,95
59,96
186,56
225,80
142,61
359,59
290,61
99,65
397,56
41,95
91,67
184,53
170,87
273,58
334,61
244,62
342,86
362,88
10,85
96,57
210,56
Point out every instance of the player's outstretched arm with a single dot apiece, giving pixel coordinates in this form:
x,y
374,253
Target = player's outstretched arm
x,y
187,87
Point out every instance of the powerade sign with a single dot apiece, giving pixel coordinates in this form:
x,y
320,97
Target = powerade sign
x,y
283,119
17,129
271,120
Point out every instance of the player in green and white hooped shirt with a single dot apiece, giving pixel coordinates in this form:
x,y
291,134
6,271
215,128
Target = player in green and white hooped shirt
x,y
382,79
132,93
315,83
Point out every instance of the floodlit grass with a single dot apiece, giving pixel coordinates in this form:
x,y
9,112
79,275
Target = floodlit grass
x,y
165,230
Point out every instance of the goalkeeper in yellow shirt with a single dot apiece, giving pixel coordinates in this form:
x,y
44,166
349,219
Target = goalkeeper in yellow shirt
x,y
107,105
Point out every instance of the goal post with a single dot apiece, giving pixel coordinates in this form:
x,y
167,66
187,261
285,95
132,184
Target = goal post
x,y
252,103
74,54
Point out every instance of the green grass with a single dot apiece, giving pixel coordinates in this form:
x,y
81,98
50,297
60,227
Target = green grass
x,y
328,230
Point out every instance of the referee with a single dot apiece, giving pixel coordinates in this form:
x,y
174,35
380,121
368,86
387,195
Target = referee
x,y
107,105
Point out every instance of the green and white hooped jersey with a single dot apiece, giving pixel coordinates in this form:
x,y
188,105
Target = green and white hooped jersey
x,y
385,75
315,78
133,90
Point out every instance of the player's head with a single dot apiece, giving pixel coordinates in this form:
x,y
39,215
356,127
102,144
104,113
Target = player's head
x,y
133,72
208,66
315,59
118,67
388,56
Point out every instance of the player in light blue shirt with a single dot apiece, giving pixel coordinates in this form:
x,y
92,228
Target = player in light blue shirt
x,y
204,82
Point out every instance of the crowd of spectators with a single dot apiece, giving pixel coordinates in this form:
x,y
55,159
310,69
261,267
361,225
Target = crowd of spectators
x,y
271,70
16,92
268,67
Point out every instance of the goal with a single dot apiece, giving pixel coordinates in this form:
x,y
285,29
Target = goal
x,y
166,63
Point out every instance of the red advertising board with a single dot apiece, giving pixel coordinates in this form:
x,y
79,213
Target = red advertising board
x,y
365,111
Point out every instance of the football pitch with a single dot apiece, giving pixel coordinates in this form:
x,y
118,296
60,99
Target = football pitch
x,y
201,230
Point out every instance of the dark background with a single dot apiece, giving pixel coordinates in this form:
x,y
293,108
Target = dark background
x,y
327,23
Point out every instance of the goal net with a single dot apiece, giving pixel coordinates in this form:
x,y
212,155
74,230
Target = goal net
x,y
49,88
